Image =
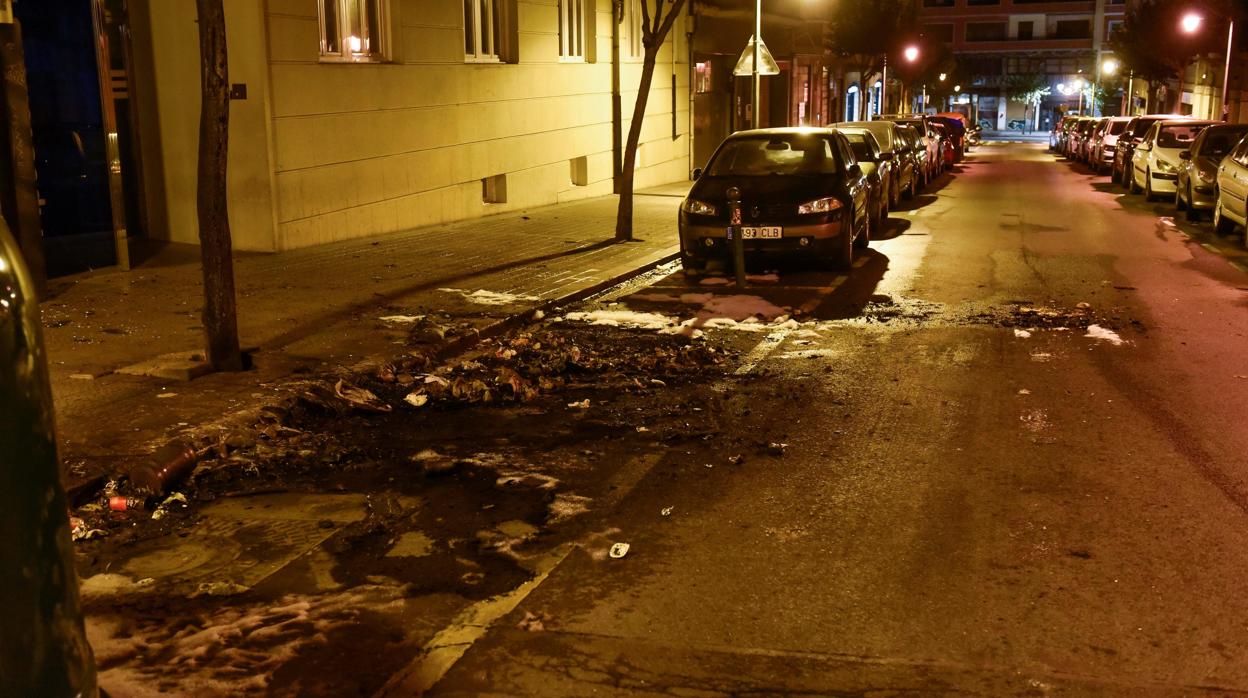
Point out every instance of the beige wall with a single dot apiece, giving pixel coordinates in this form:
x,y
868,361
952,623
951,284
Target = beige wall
x,y
363,149
167,53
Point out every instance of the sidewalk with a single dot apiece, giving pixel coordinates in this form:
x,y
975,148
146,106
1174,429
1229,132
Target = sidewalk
x,y
311,309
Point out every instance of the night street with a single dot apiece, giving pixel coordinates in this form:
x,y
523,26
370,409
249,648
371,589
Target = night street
x,y
1002,456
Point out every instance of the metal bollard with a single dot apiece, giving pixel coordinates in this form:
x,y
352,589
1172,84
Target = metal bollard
x,y
735,233
43,645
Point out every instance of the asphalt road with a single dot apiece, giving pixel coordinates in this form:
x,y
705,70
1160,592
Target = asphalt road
x,y
975,498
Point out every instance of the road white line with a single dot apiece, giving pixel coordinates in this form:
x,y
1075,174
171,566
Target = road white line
x,y
762,350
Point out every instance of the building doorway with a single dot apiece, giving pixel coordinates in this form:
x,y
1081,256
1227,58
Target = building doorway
x,y
85,152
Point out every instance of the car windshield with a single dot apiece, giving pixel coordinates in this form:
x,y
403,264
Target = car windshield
x,y
1116,127
1178,135
785,154
862,147
1222,141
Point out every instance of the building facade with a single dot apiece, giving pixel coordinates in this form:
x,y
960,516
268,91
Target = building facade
x,y
1061,40
352,118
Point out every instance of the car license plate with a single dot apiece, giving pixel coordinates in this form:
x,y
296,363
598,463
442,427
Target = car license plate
x,y
769,232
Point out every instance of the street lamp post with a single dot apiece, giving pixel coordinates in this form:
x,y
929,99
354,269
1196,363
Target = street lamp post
x,y
755,81
1109,66
1191,24
912,54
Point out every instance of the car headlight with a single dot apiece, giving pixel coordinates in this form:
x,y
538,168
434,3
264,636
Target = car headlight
x,y
1165,167
697,208
824,205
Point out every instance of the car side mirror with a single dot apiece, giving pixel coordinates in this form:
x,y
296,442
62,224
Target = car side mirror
x,y
1185,155
697,173
1145,147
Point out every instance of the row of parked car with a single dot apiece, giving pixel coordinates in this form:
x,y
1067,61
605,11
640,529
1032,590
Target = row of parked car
x,y
1202,166
821,192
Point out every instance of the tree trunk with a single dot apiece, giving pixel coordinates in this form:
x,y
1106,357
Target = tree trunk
x,y
220,320
624,218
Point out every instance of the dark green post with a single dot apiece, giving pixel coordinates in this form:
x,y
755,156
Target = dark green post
x,y
43,645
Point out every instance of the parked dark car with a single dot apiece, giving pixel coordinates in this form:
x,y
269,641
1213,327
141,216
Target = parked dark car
x,y
930,139
877,168
802,191
1197,189
948,154
956,131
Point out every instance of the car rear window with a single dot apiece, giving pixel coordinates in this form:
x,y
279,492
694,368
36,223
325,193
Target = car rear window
x,y
795,154
1116,127
1221,141
861,146
1141,127
1178,135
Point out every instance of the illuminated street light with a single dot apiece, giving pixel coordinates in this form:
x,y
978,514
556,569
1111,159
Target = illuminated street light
x,y
942,77
1191,22
1109,67
911,53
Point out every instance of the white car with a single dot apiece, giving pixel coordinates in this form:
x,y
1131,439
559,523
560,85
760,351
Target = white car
x,y
1155,163
1103,150
1231,208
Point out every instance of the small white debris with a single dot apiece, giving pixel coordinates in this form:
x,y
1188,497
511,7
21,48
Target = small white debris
x,y
538,315
582,405
401,319
1103,333
642,430
667,511
416,399
619,550
166,395
1024,391
1021,334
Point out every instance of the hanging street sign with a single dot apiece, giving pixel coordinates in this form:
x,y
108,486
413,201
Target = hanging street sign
x,y
767,64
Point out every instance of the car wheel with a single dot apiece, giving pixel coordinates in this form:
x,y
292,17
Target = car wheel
x,y
1179,204
692,265
1134,187
894,196
1221,224
1193,214
1148,186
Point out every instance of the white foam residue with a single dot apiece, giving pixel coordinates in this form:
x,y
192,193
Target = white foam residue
x,y
1103,333
740,307
1021,334
401,319
484,297
624,318
771,278
233,650
809,353
715,281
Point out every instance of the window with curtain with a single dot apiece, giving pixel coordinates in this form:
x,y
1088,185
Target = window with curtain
x,y
354,30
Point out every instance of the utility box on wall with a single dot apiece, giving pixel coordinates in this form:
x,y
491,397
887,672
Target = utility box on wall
x,y
6,11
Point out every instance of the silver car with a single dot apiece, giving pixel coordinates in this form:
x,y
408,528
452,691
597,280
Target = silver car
x,y
1231,208
1197,189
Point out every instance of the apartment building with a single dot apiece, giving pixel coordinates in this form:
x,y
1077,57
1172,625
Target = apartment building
x,y
349,118
994,39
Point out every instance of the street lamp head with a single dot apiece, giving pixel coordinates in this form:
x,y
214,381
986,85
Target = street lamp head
x,y
911,53
942,77
1109,67
957,88
1080,83
1191,22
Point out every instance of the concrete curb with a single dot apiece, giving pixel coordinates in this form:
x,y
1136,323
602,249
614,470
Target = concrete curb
x,y
465,342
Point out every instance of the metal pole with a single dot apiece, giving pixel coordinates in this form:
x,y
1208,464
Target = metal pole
x,y
736,233
924,98
884,87
1226,72
1130,110
755,85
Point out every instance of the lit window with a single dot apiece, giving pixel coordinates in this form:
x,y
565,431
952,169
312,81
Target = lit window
x,y
572,29
354,30
702,77
481,30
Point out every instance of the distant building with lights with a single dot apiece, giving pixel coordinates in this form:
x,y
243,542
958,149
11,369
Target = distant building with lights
x,y
995,39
